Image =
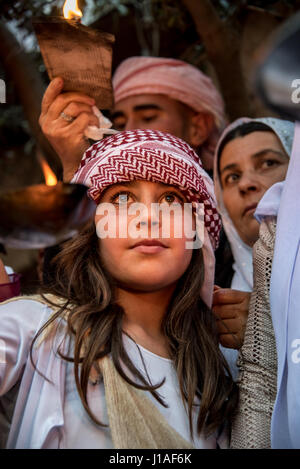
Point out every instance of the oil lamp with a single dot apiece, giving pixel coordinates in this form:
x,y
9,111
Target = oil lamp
x,y
43,215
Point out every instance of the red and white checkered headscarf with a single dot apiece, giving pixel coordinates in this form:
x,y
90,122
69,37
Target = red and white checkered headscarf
x,y
157,157
177,80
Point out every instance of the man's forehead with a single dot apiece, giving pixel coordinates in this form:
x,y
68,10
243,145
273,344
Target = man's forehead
x,y
143,100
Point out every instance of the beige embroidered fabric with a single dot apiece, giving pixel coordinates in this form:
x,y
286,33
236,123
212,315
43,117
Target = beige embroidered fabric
x,y
257,358
135,422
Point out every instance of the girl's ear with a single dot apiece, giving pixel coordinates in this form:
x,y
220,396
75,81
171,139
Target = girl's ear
x,y
201,125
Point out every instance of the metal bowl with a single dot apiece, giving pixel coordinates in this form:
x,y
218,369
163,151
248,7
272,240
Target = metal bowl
x,y
40,216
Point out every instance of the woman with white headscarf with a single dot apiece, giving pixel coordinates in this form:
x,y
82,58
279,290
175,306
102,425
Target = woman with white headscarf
x,y
241,248
251,156
253,167
280,206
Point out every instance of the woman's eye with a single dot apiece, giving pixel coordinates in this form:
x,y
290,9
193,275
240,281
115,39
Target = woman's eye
x,y
269,163
231,178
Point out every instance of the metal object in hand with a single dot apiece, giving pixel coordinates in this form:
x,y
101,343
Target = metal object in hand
x,y
39,216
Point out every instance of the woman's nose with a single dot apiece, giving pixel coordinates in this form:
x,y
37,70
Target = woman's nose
x,y
249,182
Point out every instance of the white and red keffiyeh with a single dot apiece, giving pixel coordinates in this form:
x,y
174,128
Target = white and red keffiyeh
x,y
157,157
152,156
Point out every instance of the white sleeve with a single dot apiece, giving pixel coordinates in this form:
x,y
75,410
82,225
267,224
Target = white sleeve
x,y
19,322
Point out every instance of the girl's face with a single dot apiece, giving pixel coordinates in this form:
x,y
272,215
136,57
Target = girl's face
x,y
145,249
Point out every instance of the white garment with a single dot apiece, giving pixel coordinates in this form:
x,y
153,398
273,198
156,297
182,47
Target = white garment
x,y
50,414
8,270
242,279
282,200
231,356
81,432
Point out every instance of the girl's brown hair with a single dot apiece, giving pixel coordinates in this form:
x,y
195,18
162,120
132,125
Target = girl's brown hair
x,y
94,320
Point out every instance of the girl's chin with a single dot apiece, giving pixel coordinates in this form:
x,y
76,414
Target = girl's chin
x,y
144,287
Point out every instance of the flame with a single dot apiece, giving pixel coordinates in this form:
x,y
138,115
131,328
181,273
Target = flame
x,y
71,10
50,177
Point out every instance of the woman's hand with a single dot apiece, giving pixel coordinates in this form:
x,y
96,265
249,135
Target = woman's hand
x,y
231,310
64,118
4,278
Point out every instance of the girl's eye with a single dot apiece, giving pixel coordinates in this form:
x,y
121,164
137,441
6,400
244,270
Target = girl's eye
x,y
121,198
172,198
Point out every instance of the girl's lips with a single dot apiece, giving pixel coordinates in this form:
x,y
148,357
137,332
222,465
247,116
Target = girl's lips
x,y
149,246
148,249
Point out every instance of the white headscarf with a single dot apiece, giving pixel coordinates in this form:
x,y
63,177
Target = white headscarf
x,y
282,200
242,253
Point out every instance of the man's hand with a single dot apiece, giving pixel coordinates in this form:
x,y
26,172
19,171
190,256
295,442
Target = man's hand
x,y
231,310
66,136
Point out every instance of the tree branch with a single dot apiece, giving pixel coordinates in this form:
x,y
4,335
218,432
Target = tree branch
x,y
223,50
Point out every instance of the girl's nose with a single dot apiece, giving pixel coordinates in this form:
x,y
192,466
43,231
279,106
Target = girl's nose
x,y
149,216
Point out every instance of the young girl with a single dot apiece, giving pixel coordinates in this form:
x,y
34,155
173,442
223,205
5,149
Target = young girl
x,y
122,351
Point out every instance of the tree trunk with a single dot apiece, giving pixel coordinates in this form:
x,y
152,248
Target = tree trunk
x,y
223,51
27,81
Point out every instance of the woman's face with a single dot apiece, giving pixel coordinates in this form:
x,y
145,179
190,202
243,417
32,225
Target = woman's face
x,y
141,251
249,165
